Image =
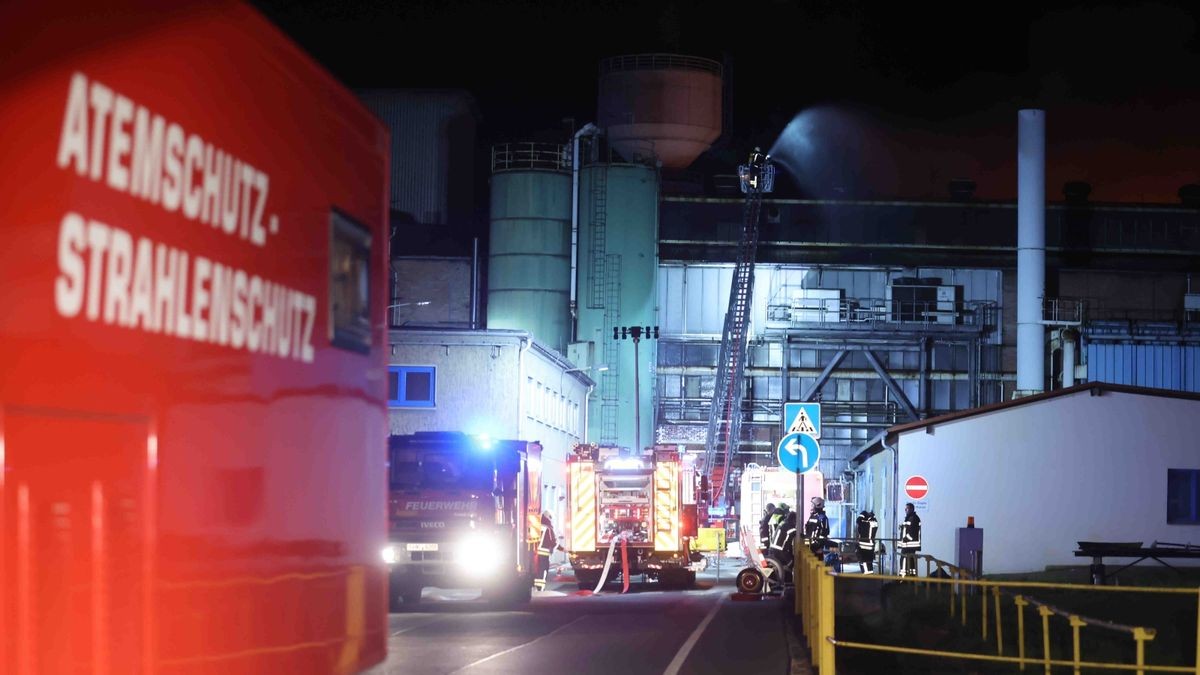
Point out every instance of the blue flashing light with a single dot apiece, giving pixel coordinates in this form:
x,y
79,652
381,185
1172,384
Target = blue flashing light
x,y
484,442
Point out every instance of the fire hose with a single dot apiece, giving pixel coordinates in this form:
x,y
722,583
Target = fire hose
x,y
612,545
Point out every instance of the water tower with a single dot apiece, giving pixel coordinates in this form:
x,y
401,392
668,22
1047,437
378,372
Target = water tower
x,y
666,105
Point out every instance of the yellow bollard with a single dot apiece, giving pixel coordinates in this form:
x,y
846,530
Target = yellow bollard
x,y
983,609
999,625
953,600
797,573
1021,603
814,599
1045,612
1076,624
962,591
1142,635
827,622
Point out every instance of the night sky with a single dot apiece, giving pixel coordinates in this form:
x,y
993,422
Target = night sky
x,y
899,100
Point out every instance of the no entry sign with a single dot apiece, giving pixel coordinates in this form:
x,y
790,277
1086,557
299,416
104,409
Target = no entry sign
x,y
916,487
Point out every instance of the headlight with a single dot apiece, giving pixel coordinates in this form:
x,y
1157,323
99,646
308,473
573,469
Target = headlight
x,y
480,554
389,555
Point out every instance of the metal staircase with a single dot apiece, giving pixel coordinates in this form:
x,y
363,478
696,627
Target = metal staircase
x,y
725,415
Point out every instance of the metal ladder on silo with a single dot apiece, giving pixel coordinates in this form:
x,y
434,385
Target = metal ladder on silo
x,y
609,395
597,273
725,415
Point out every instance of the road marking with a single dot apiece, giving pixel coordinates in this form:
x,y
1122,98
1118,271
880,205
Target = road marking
x,y
524,644
681,655
420,625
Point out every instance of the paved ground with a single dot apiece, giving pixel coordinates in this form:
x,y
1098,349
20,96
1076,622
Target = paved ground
x,y
645,631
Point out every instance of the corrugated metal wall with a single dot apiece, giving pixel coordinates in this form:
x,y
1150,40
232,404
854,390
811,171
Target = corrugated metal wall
x,y
1145,365
433,138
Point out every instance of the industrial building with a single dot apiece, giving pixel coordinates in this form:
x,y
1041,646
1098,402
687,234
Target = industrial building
x,y
889,312
497,383
1093,462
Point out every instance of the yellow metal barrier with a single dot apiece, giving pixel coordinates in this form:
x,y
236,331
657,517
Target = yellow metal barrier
x,y
815,586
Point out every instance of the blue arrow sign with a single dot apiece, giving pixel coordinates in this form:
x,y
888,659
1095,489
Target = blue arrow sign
x,y
802,418
798,453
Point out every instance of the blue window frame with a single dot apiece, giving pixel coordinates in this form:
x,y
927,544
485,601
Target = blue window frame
x,y
1183,497
412,386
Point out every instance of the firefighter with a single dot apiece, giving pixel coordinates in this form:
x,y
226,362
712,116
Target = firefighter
x,y
778,531
754,169
785,539
816,530
764,528
910,541
866,527
547,545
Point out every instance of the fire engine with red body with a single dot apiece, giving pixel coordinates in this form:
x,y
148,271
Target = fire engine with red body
x,y
465,513
193,415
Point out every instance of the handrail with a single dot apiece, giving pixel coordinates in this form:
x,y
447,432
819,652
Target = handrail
x,y
628,62
531,155
815,599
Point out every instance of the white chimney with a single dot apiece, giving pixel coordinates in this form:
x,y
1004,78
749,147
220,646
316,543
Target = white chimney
x,y
1031,249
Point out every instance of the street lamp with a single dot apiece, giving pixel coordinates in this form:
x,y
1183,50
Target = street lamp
x,y
637,333
407,304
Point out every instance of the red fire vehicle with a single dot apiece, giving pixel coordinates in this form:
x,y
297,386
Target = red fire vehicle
x,y
192,378
644,501
465,513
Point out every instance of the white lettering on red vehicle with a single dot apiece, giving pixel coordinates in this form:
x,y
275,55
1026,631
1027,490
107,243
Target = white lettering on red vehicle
x,y
110,276
439,506
110,138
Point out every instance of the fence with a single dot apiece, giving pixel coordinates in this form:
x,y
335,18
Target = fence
x,y
815,587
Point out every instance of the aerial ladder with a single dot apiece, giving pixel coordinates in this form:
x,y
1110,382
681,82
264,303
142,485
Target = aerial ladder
x,y
756,177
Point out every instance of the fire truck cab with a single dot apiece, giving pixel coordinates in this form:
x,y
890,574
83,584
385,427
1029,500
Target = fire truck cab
x,y
464,512
645,501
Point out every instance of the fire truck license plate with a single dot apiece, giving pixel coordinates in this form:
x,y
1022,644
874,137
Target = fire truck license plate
x,y
422,547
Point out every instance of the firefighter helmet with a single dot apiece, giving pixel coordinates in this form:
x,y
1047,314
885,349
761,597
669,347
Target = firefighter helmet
x,y
818,503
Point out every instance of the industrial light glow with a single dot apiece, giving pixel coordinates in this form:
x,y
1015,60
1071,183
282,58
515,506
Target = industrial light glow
x,y
624,463
479,554
389,554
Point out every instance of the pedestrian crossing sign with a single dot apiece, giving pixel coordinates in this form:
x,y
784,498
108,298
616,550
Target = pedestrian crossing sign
x,y
802,418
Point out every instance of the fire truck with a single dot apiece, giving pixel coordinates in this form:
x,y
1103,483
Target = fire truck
x,y
193,266
644,502
464,512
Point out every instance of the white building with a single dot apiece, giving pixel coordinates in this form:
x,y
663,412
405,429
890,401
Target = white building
x,y
1094,462
496,382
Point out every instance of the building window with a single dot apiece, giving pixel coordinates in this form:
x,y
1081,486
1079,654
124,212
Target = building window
x,y
412,386
1183,497
349,284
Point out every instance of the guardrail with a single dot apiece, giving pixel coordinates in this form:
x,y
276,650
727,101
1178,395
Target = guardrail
x,y
815,586
529,155
981,314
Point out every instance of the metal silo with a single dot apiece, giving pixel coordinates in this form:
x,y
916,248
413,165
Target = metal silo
x,y
617,282
529,261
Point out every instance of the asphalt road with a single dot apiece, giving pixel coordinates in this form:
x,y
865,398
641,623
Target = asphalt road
x,y
646,631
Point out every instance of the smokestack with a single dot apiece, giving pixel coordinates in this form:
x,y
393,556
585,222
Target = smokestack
x,y
1031,249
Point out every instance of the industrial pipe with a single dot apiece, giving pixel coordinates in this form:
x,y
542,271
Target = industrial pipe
x,y
1031,249
587,130
1068,338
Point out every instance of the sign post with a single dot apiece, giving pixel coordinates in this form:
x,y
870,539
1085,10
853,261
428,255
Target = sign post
x,y
799,452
